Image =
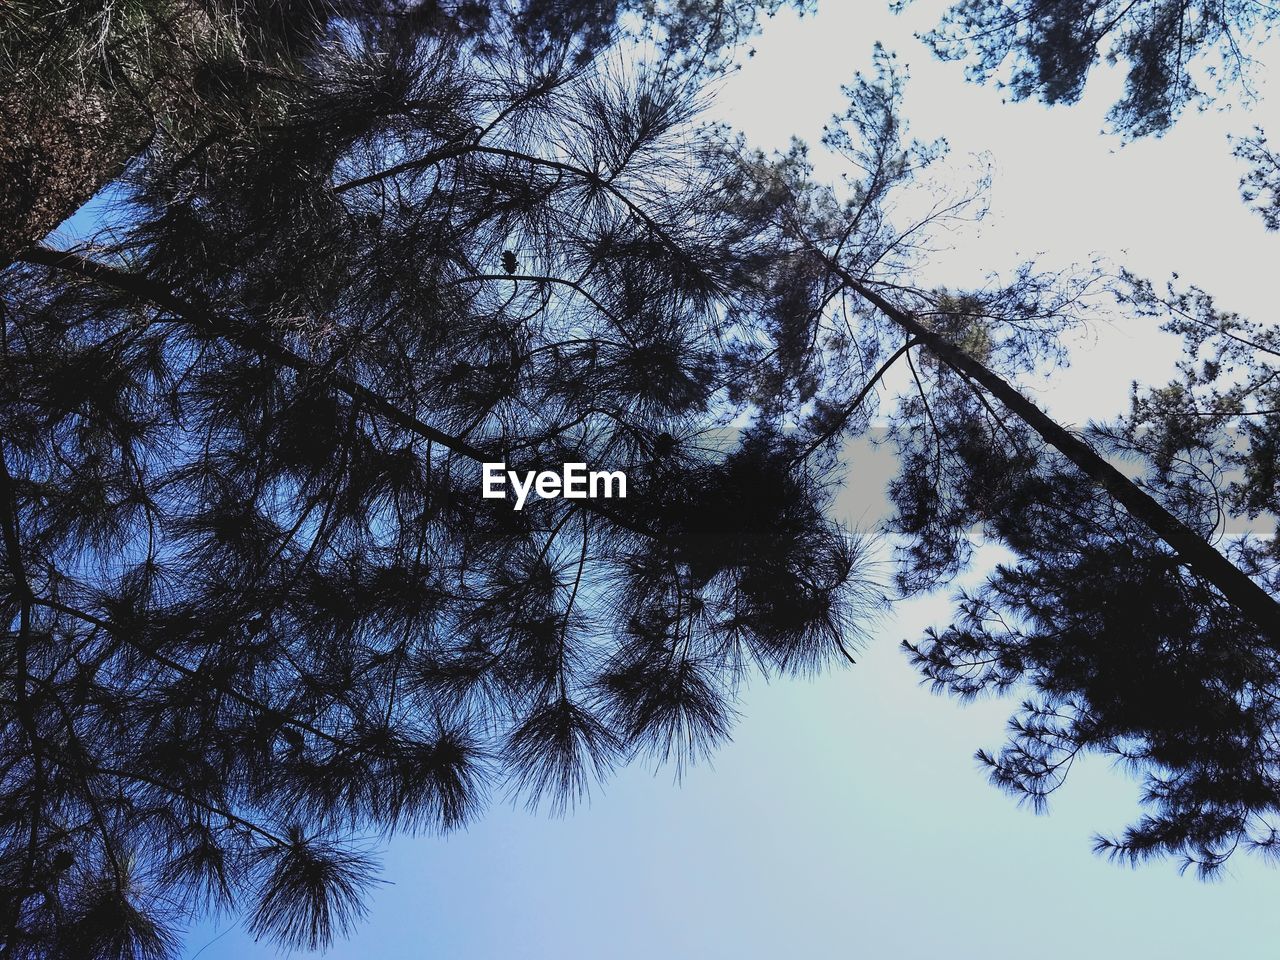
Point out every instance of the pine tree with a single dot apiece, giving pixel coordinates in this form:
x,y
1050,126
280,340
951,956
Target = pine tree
x,y
1172,50
254,603
1128,625
1125,649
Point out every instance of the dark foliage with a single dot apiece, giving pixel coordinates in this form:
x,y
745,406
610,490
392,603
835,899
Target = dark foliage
x,y
1171,50
1124,650
1122,643
253,601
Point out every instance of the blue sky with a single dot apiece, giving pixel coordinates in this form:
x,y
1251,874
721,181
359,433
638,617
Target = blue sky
x,y
847,818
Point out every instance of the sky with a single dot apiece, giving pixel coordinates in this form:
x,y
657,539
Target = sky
x,y
848,818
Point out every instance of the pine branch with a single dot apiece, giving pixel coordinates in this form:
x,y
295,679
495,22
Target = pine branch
x,y
852,406
278,353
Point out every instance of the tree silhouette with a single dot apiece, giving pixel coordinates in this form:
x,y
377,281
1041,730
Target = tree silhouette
x,y
1136,633
1120,616
1127,651
253,601
983,337
1170,48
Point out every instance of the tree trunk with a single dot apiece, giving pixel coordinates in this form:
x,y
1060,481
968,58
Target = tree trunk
x,y
1192,549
